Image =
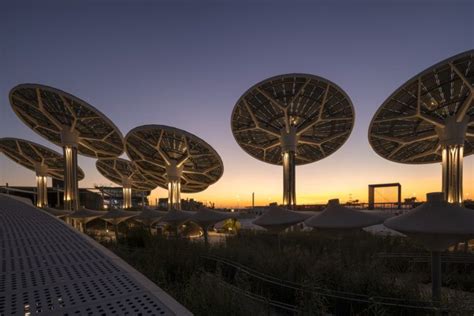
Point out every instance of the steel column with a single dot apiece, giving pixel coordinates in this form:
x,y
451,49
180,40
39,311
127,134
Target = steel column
x,y
127,197
452,166
289,185
71,193
174,194
41,190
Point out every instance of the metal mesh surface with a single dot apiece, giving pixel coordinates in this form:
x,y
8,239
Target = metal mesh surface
x,y
404,127
47,268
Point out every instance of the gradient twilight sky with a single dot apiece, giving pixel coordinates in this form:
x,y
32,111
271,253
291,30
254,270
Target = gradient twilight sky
x,y
185,64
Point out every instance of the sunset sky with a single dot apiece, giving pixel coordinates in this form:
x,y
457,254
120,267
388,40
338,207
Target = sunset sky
x,y
186,63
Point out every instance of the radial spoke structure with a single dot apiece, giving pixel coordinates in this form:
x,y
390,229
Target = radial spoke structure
x,y
126,174
290,120
175,159
431,119
69,122
43,161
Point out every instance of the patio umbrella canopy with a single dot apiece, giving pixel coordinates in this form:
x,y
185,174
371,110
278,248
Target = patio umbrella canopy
x,y
57,213
177,217
278,219
206,217
148,217
116,217
435,224
337,217
84,215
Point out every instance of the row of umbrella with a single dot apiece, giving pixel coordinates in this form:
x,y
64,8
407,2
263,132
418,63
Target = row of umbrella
x,y
205,218
436,225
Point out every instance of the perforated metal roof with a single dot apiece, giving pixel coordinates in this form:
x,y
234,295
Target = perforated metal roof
x,y
117,170
28,154
48,268
151,146
320,110
403,129
48,111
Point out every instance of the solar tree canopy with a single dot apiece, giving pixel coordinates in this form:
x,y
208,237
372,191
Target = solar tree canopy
x,y
407,126
124,172
175,159
50,112
319,112
430,119
152,147
290,120
35,156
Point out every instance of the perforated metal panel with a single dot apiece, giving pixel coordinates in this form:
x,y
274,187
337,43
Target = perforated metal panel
x,y
47,268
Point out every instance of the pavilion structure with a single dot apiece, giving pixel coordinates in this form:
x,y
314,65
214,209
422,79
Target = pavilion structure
x,y
69,122
43,161
126,174
430,119
175,159
290,120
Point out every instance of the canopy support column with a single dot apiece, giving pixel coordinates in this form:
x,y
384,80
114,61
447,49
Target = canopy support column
x,y
173,173
69,140
288,146
451,139
174,195
452,173
71,192
127,196
42,191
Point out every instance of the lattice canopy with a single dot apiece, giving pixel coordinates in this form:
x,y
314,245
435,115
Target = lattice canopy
x,y
404,127
30,155
49,111
119,170
318,109
153,147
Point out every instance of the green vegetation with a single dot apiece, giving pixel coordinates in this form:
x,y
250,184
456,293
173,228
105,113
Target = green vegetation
x,y
310,273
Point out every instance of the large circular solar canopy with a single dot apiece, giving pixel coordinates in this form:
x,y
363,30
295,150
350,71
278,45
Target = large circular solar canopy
x,y
119,170
320,111
30,155
151,146
48,111
404,127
